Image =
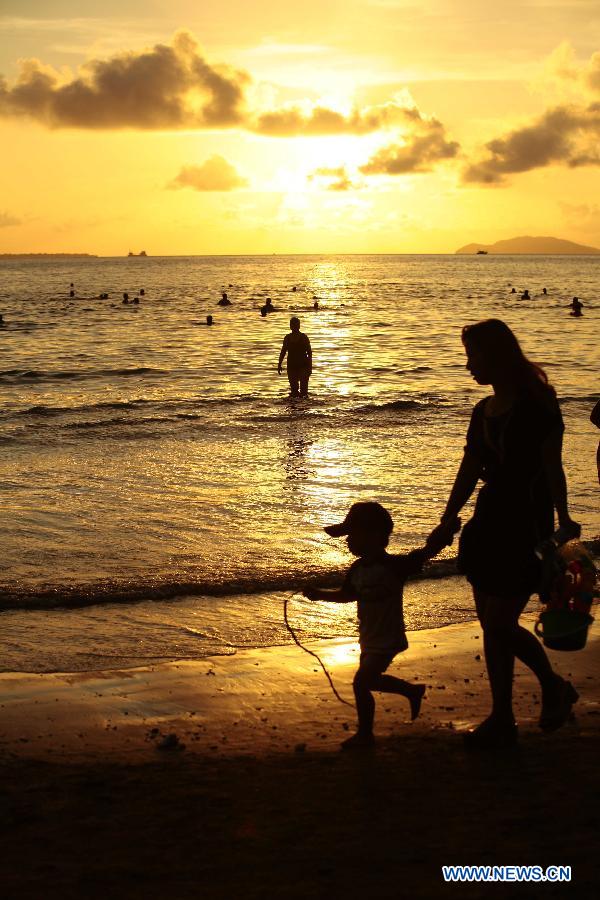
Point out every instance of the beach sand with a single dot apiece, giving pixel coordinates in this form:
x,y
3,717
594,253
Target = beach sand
x,y
252,797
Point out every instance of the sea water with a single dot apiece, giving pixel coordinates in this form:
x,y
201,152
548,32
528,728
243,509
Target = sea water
x,y
162,492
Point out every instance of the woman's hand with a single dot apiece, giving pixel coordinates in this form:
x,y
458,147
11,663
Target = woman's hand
x,y
310,593
568,530
442,535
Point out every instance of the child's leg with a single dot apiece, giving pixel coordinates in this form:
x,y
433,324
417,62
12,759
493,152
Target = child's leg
x,y
389,684
370,677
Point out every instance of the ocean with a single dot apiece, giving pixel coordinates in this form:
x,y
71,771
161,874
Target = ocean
x,y
162,493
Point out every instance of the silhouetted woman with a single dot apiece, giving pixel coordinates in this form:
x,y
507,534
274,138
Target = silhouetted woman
x,y
514,445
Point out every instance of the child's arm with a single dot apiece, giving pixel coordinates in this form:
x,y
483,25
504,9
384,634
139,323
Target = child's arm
x,y
334,595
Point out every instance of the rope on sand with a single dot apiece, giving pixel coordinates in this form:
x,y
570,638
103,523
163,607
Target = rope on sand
x,y
311,652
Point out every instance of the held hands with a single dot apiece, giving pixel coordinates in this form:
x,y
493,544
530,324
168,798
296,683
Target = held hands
x,y
442,535
310,593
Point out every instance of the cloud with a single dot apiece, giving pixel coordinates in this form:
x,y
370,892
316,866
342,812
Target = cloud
x,y
216,174
313,120
7,220
564,75
334,179
417,153
170,86
567,135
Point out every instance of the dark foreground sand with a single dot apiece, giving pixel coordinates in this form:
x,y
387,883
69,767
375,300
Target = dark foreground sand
x,y
261,803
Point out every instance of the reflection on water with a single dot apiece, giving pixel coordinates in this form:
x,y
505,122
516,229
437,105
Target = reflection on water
x,y
144,450
296,467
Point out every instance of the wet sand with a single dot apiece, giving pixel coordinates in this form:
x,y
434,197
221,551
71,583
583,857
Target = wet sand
x,y
221,777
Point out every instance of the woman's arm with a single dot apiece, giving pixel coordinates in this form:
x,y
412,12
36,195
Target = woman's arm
x,y
553,468
469,473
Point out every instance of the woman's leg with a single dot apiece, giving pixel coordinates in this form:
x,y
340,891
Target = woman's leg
x,y
499,618
531,652
503,640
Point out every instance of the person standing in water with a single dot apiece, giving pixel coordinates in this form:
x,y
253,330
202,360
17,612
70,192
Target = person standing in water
x,y
299,359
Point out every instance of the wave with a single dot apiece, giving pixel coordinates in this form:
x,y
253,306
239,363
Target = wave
x,y
393,405
586,398
83,595
173,405
18,376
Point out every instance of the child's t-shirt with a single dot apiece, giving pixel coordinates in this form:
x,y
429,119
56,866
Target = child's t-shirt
x,y
378,584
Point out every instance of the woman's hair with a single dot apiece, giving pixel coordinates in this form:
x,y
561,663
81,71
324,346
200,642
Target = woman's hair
x,y
495,339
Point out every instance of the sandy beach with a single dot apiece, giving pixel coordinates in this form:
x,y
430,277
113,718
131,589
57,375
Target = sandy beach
x,y
223,776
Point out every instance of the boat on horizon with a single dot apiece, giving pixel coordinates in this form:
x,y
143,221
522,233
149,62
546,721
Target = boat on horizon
x,y
141,253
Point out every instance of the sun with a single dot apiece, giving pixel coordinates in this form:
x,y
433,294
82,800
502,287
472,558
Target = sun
x,y
306,157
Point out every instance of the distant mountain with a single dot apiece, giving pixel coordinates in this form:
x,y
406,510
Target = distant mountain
x,y
45,255
530,245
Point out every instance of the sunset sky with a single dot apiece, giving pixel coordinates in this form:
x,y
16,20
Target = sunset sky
x,y
229,126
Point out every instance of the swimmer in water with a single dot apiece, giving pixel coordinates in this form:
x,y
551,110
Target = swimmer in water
x,y
296,346
513,291
525,295
209,320
544,291
224,301
268,307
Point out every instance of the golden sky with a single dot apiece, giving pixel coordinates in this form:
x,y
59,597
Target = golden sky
x,y
350,126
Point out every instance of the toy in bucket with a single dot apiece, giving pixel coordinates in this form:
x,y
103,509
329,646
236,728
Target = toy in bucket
x,y
567,592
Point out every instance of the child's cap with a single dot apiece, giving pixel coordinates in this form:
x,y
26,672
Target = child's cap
x,y
365,515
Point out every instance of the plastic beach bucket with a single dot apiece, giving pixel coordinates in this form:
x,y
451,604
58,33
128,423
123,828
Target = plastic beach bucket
x,y
563,629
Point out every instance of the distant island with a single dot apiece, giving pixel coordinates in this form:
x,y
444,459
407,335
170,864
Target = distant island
x,y
529,245
46,255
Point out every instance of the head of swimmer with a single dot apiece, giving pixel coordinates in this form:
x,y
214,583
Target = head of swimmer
x,y
294,323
